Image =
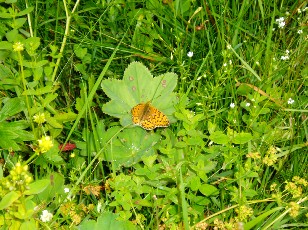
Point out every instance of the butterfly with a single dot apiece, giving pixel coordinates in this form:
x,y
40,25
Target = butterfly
x,y
148,117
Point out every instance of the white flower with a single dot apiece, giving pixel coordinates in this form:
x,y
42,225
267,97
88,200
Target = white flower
x,y
306,8
247,104
299,10
228,47
281,22
287,51
290,101
230,62
225,64
232,105
46,216
299,31
66,190
190,54
284,57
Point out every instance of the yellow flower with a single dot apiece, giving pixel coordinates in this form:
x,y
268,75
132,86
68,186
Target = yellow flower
x,y
18,46
294,209
45,144
39,118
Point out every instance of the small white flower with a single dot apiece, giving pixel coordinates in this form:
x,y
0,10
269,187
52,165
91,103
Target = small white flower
x,y
299,31
290,101
247,104
281,19
284,57
228,47
287,51
46,216
234,121
306,8
230,62
257,63
299,11
66,190
232,105
281,24
190,54
225,64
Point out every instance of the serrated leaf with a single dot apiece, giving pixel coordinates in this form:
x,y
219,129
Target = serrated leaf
x,y
129,146
219,137
139,86
37,187
8,199
208,190
242,138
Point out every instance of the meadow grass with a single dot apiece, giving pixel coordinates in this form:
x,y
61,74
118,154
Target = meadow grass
x,y
233,85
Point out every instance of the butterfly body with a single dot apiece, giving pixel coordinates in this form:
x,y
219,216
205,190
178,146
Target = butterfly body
x,y
148,117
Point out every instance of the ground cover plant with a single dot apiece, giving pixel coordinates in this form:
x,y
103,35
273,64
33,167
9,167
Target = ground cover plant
x,y
153,114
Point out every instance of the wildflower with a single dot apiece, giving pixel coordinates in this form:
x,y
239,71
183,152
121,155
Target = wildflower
x,y
300,31
284,57
255,155
18,46
290,101
295,190
247,104
190,54
228,47
225,64
46,216
39,118
273,186
72,155
230,62
281,22
271,157
232,105
244,212
299,11
294,209
45,144
300,181
66,190
306,8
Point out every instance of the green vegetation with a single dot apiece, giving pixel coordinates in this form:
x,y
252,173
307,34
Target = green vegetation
x,y
229,76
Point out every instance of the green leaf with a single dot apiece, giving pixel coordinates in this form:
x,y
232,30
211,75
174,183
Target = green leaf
x,y
241,138
4,45
29,224
208,190
139,86
260,218
25,11
17,23
129,146
79,51
219,137
8,199
11,107
106,221
195,183
65,117
37,187
40,91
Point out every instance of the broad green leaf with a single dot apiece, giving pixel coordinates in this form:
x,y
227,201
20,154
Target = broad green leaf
x,y
139,86
241,138
129,146
65,117
8,199
35,64
4,45
11,107
195,183
32,43
79,51
208,190
37,187
17,23
106,221
55,186
39,91
29,224
219,137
